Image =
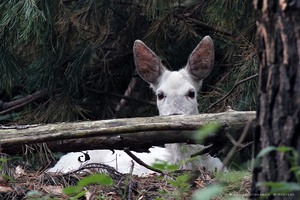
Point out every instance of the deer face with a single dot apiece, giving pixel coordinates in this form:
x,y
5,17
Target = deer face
x,y
176,94
176,91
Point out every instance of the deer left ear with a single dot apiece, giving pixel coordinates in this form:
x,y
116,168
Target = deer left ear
x,y
147,63
201,60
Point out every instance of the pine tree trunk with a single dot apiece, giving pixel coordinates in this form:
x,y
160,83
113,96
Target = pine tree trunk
x,y
278,45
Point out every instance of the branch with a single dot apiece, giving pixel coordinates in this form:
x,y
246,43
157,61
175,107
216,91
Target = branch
x,y
138,134
212,28
121,96
12,105
139,161
185,16
126,94
228,93
236,145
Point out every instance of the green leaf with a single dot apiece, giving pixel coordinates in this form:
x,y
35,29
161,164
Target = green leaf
x,y
164,165
183,178
280,187
266,151
101,179
208,193
284,149
205,131
72,190
179,181
80,194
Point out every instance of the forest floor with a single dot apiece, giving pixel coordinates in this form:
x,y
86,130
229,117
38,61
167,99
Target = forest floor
x,y
88,184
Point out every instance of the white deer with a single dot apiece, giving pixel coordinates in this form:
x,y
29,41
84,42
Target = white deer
x,y
176,93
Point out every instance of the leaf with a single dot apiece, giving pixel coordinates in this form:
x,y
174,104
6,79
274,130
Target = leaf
x,y
205,131
164,165
284,149
101,179
183,178
72,190
266,151
280,187
208,193
179,181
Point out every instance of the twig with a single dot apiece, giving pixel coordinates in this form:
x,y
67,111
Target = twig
x,y
185,16
112,172
232,140
212,28
121,96
228,93
139,161
130,184
127,93
204,150
13,105
236,145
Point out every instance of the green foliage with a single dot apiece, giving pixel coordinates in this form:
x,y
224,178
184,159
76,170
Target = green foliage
x,y
205,131
181,185
280,187
81,52
236,54
76,192
4,169
208,193
265,151
228,186
293,157
25,17
10,68
165,166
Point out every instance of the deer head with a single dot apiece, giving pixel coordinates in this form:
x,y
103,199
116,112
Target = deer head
x,y
176,91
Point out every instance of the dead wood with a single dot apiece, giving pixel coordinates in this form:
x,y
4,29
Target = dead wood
x,y
136,134
6,107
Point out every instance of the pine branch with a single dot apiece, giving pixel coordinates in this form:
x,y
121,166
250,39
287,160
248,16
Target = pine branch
x,y
232,89
121,96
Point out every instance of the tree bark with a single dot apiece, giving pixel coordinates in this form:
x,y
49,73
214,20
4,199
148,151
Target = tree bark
x,y
137,134
278,46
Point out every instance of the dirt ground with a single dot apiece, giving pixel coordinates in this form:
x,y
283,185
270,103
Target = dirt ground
x,y
24,184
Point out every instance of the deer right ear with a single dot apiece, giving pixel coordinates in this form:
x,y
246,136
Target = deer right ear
x,y
147,63
201,60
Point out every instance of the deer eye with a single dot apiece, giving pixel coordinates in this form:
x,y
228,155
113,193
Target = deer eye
x,y
160,95
191,94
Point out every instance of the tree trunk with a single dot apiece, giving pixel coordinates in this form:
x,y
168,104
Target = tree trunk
x,y
278,45
137,134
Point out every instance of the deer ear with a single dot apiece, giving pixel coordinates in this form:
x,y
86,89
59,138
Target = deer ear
x,y
201,60
147,63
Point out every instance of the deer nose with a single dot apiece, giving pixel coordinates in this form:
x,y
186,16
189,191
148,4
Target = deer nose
x,y
177,114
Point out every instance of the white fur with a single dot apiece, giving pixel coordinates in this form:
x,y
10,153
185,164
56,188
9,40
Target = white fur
x,y
172,89
117,159
175,87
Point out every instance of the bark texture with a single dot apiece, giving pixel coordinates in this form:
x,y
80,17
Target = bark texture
x,y
137,134
278,46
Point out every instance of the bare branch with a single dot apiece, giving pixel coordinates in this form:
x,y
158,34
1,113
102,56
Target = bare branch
x,y
13,105
126,94
138,134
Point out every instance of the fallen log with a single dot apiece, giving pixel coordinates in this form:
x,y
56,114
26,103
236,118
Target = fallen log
x,y
136,134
